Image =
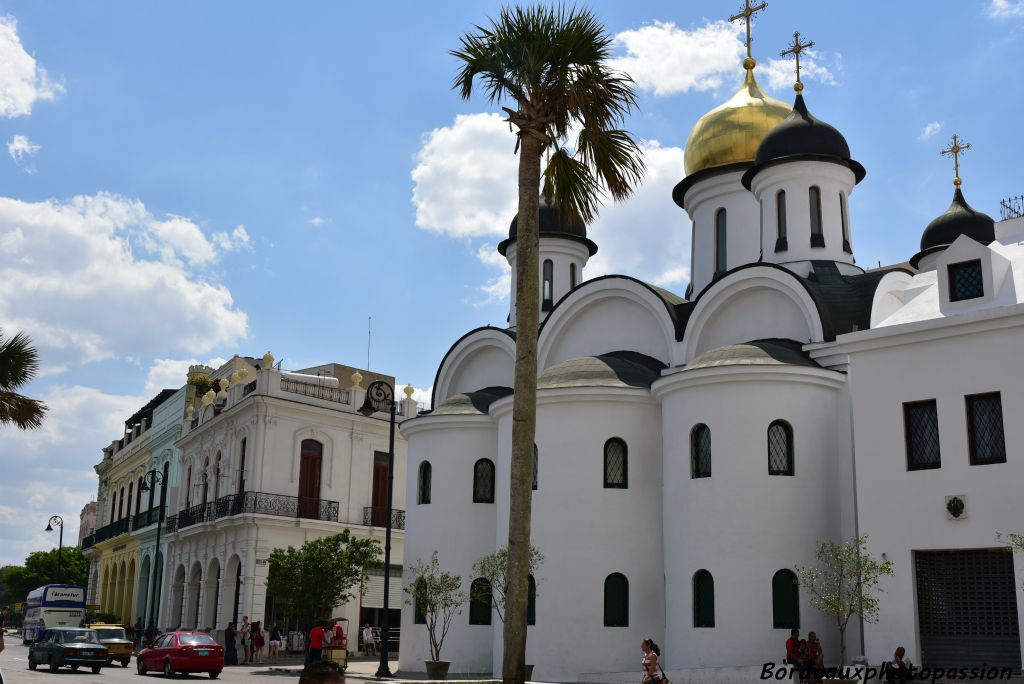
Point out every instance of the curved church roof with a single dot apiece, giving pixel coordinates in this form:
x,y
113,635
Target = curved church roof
x,y
471,403
773,352
552,224
615,369
959,219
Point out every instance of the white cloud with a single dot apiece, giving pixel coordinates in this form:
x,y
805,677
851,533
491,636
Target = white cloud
x,y
464,183
234,241
666,59
22,81
317,221
172,373
420,396
1006,8
22,150
781,73
498,288
930,130
99,277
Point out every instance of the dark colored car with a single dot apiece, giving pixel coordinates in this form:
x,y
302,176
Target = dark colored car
x,y
72,647
175,652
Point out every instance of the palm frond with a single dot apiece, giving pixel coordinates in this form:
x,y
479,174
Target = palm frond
x,y
19,361
573,186
24,412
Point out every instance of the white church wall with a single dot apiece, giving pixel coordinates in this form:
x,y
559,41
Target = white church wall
x,y
742,524
904,510
587,532
485,358
451,524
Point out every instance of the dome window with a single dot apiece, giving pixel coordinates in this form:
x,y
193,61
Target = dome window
x,y
965,280
781,244
844,217
616,471
536,457
616,600
572,276
700,451
549,277
423,491
483,481
785,601
703,599
721,262
780,448
814,200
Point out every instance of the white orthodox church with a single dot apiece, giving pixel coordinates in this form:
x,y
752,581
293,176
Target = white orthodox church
x,y
692,449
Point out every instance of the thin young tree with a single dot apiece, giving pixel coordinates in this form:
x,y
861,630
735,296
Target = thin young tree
x,y
547,67
19,363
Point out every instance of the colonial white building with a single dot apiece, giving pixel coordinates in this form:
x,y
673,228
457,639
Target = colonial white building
x,y
691,450
271,459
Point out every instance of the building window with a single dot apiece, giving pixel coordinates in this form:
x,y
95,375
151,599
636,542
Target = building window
x,y
965,281
780,448
721,262
480,602
572,276
700,451
483,481
535,458
166,483
423,496
785,601
814,196
216,477
419,607
703,599
921,431
113,508
616,464
985,428
616,601
549,279
781,243
138,504
241,468
531,600
844,217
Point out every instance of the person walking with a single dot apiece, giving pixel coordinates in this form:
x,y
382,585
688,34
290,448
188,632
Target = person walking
x,y
230,649
317,637
369,644
652,672
246,631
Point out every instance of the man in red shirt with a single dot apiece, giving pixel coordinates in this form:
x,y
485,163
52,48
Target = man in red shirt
x,y
338,638
316,643
793,656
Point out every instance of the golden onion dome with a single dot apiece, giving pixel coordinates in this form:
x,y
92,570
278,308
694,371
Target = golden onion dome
x,y
731,132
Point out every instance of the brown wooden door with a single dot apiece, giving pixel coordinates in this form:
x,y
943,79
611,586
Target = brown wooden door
x,y
380,489
310,463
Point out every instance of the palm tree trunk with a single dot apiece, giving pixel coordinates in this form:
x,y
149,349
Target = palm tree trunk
x,y
524,411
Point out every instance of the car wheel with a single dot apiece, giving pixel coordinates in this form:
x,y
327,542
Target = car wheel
x,y
124,663
214,674
31,662
96,669
74,668
168,672
140,665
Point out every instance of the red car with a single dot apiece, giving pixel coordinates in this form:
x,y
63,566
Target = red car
x,y
182,652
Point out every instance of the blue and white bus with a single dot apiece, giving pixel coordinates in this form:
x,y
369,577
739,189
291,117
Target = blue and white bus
x,y
52,605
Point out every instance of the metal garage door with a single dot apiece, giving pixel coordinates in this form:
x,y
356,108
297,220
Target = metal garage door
x,y
373,595
967,608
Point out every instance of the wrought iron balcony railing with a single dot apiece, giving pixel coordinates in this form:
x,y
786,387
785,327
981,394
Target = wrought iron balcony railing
x,y
146,518
89,542
112,530
259,503
377,516
309,389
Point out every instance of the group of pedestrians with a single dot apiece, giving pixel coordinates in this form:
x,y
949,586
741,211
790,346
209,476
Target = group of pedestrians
x,y
253,637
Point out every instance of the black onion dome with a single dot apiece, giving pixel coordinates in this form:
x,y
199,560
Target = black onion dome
x,y
553,224
803,137
959,219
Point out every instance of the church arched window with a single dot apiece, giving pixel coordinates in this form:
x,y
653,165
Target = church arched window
x,y
480,602
548,285
846,225
785,601
814,198
572,276
423,487
531,600
700,451
483,481
535,459
703,599
616,464
616,600
419,604
781,244
780,448
721,262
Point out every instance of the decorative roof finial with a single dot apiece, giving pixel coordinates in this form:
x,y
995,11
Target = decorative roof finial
x,y
955,149
747,15
795,49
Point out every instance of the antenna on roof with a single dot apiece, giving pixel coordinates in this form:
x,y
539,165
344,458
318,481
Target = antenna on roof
x,y
369,329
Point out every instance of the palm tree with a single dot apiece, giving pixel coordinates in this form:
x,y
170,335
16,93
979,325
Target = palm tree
x,y
19,363
550,66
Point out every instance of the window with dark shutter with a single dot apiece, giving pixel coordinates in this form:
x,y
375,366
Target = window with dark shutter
x,y
814,200
483,481
985,428
419,609
480,602
548,285
535,464
616,601
616,472
426,473
780,448
781,243
721,242
700,451
703,599
785,601
921,428
531,600
965,281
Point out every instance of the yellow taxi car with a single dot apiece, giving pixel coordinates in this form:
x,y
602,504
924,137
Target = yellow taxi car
x,y
115,638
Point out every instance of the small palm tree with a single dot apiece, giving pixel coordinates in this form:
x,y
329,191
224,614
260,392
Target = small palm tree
x,y
550,66
19,363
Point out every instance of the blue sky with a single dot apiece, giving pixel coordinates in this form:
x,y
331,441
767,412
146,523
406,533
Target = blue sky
x,y
189,180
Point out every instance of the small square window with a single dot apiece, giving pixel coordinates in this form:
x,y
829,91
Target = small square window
x,y
965,281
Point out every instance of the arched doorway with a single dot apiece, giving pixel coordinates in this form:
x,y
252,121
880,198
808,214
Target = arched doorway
x,y
177,597
210,617
195,583
145,587
310,464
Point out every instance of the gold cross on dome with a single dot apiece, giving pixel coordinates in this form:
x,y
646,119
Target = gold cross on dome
x,y
795,49
955,149
747,14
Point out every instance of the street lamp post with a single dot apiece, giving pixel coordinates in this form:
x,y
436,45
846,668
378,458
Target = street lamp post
x,y
57,520
151,480
380,398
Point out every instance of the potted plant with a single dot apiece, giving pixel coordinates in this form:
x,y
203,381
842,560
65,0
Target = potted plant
x,y
437,595
844,584
493,567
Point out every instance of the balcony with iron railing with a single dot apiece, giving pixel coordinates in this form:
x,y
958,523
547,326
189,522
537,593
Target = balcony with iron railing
x,y
1011,208
114,529
89,541
377,516
144,519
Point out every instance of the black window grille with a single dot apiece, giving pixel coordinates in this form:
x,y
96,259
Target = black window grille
x,y
483,481
572,276
785,601
419,607
536,458
985,429
721,242
921,427
616,464
480,602
703,599
616,600
426,473
843,216
780,448
965,281
700,451
814,198
531,600
548,285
